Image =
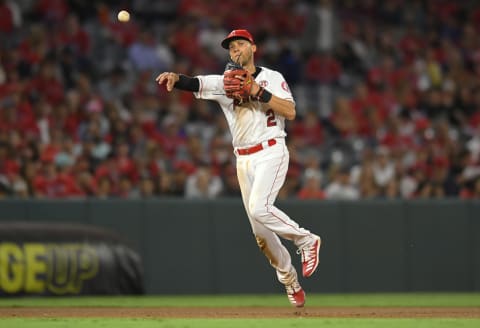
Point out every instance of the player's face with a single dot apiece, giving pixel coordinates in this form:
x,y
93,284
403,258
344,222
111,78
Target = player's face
x,y
241,51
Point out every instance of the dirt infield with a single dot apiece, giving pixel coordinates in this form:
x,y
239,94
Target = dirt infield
x,y
241,312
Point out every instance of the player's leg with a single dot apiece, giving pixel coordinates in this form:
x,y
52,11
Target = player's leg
x,y
268,242
270,171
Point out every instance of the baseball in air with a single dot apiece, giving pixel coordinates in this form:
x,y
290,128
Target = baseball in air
x,y
123,16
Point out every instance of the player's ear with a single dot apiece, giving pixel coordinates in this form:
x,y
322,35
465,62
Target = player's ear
x,y
254,48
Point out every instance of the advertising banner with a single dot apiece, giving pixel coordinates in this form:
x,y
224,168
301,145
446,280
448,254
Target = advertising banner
x,y
44,259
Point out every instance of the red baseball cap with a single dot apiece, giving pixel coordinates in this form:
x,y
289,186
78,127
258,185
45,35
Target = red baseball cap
x,y
237,34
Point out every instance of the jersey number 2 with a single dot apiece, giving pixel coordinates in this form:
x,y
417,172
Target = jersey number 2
x,y
270,117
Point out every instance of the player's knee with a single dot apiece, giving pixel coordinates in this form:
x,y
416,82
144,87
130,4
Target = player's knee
x,y
259,213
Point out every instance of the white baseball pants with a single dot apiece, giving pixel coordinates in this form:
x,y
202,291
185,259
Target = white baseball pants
x,y
261,176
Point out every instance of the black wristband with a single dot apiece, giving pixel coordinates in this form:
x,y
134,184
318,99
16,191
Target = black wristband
x,y
264,96
259,92
187,83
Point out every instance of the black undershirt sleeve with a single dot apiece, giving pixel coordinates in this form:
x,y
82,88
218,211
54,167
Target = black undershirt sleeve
x,y
187,83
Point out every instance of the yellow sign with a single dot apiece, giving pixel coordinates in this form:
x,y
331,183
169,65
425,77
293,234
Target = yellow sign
x,y
35,268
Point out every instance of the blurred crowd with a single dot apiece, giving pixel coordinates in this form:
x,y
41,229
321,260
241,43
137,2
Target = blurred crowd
x,y
387,95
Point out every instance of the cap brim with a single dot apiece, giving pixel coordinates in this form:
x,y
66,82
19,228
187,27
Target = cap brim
x,y
226,42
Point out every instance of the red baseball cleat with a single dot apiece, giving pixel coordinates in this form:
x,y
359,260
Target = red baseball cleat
x,y
310,256
295,294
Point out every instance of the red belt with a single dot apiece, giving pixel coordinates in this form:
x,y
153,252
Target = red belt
x,y
256,148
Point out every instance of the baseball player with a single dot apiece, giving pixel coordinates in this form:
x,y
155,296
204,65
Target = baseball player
x,y
256,101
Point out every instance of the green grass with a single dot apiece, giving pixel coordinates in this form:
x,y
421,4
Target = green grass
x,y
238,323
401,299
365,300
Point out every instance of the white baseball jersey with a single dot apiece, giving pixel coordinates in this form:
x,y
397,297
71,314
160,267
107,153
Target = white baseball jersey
x,y
252,122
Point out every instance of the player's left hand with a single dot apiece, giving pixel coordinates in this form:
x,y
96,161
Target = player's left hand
x,y
238,83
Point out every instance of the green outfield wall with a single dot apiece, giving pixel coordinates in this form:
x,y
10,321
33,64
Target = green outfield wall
x,y
207,246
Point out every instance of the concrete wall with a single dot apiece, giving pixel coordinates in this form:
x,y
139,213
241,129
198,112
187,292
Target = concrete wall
x,y
207,246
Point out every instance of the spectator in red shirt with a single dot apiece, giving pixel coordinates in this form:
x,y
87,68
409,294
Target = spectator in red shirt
x,y
109,168
344,119
53,183
74,37
47,84
125,163
34,48
171,136
308,131
184,40
386,74
411,43
368,109
8,164
323,68
311,186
